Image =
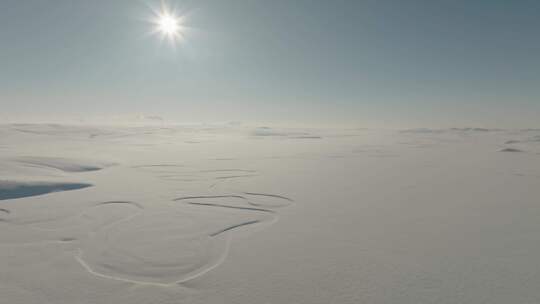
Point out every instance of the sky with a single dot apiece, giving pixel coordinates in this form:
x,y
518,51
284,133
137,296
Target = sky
x,y
383,63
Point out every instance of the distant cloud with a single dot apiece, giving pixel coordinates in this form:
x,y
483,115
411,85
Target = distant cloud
x,y
510,150
423,131
292,134
438,131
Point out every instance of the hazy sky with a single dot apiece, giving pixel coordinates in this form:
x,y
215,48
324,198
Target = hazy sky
x,y
377,62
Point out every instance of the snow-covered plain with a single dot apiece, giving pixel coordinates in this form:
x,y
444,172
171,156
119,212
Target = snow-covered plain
x,y
232,214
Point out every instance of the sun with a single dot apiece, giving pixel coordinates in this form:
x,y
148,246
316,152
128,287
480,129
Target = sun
x,y
168,24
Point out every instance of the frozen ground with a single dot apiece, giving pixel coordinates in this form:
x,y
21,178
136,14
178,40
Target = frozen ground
x,y
230,214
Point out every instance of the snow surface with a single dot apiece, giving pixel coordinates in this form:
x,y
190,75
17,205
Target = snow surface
x,y
237,214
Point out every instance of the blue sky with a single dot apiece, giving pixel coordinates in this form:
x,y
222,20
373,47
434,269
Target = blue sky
x,y
378,62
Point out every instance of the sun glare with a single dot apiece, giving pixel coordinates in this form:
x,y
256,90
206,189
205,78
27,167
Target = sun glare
x,y
168,24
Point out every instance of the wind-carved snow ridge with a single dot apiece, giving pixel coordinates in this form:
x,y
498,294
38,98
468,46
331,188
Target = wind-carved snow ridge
x,y
63,164
164,248
188,239
28,176
14,190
